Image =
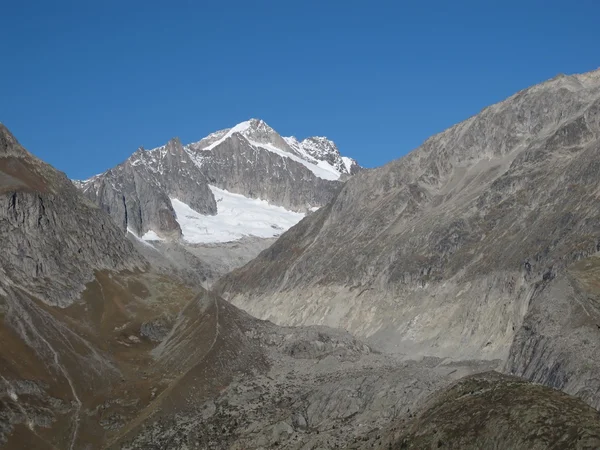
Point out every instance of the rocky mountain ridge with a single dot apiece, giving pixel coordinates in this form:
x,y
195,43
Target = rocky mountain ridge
x,y
250,159
456,247
49,233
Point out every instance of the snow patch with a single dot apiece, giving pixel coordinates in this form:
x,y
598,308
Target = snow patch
x,y
13,395
139,239
348,162
151,236
237,216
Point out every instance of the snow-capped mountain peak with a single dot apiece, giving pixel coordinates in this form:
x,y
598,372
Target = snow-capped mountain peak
x,y
318,154
249,159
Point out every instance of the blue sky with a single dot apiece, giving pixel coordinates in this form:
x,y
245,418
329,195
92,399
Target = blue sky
x,y
84,83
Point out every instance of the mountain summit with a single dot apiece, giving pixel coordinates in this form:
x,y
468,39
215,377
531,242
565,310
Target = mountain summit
x,y
155,193
320,155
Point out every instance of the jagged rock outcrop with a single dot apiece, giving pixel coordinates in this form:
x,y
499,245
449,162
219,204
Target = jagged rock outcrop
x,y
441,252
558,342
322,149
137,193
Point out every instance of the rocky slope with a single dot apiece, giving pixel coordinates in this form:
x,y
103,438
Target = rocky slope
x,y
459,248
541,418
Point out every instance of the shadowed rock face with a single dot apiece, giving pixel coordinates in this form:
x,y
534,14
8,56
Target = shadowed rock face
x,y
558,342
442,252
137,194
494,411
49,232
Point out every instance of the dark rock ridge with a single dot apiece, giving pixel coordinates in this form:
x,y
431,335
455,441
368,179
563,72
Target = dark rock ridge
x,y
461,248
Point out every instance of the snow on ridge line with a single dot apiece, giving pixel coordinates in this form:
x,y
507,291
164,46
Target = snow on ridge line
x,y
239,128
319,168
237,216
322,169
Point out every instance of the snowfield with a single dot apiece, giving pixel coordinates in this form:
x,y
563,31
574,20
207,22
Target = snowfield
x,y
237,216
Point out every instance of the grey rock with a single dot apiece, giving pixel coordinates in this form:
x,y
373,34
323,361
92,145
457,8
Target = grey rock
x,y
239,164
322,149
49,232
557,344
157,329
199,264
239,167
442,252
137,193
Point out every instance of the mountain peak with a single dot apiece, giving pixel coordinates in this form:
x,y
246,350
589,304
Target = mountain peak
x,y
9,146
250,126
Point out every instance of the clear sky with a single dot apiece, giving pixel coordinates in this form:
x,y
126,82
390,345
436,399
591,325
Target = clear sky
x,y
84,83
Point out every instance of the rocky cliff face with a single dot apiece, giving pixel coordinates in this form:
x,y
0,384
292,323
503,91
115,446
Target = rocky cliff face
x,y
320,148
444,251
252,159
49,232
137,194
54,243
240,166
